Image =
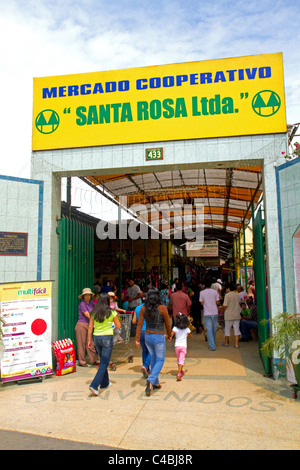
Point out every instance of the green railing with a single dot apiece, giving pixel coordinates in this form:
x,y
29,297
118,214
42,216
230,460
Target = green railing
x,y
76,271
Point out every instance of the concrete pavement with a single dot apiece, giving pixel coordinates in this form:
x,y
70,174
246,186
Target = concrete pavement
x,y
223,402
14,440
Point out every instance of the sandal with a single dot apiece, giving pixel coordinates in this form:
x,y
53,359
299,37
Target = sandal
x,y
144,372
157,386
148,389
179,377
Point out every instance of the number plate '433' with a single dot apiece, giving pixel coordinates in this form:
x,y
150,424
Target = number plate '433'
x,y
154,154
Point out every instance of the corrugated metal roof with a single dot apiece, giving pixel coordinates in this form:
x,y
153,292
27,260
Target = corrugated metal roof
x,y
227,195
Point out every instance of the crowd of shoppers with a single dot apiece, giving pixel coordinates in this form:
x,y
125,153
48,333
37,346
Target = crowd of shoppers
x,y
157,317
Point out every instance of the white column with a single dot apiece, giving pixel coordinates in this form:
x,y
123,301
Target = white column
x,y
50,246
273,262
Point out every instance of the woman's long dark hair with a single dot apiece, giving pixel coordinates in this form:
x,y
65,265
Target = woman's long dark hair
x,y
152,302
102,308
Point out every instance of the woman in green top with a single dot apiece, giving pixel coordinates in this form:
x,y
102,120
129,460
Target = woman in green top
x,y
102,318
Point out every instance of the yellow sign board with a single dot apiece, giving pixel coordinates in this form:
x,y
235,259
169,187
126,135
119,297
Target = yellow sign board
x,y
194,100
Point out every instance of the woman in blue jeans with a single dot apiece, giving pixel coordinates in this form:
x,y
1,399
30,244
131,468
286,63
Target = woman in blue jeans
x,y
157,318
102,318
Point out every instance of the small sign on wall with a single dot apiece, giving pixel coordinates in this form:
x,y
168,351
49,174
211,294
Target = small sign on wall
x,y
154,154
13,244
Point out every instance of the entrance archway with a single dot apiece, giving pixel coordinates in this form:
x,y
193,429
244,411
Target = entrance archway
x,y
202,117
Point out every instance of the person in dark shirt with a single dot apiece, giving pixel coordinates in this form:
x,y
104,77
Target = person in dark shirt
x,y
157,318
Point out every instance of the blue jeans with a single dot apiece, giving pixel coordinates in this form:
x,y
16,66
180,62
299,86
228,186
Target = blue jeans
x,y
211,323
146,357
246,326
157,347
104,346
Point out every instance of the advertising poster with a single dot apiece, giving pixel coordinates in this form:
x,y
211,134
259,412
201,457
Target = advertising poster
x,y
26,311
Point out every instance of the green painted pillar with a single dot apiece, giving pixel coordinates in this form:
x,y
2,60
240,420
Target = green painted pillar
x,y
253,210
145,260
120,257
168,260
245,257
260,285
131,258
236,257
69,196
240,257
160,262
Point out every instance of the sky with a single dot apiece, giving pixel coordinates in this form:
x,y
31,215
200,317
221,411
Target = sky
x,y
57,37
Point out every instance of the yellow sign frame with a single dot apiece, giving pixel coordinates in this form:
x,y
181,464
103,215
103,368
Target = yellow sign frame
x,y
193,100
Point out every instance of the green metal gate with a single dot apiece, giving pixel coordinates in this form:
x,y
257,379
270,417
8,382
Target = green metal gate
x,y
260,284
76,271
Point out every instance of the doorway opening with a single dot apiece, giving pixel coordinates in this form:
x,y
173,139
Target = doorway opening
x,y
145,226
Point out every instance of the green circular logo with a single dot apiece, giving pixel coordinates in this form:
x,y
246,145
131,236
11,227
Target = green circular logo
x,y
47,121
266,103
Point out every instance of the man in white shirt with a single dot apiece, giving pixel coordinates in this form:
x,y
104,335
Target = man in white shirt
x,y
231,315
217,286
209,298
243,296
174,286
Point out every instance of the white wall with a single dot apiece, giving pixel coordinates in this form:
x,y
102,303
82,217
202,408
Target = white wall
x,y
296,251
21,210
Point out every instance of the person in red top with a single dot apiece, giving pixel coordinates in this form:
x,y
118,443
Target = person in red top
x,y
180,302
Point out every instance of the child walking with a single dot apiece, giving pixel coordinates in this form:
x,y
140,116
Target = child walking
x,y
181,331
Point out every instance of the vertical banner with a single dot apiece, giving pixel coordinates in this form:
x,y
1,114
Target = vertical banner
x,y
26,311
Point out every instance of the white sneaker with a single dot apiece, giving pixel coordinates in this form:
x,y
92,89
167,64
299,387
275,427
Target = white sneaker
x,y
107,386
94,392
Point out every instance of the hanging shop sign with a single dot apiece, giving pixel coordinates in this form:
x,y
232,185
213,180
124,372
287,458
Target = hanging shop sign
x,y
208,249
26,313
193,100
